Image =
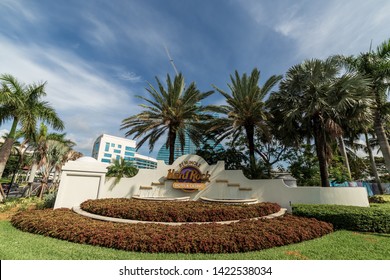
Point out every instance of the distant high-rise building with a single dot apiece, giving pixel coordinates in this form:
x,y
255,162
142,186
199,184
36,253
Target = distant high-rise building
x,y
107,148
189,148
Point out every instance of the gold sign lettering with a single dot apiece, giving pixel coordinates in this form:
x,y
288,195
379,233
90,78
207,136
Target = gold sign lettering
x,y
189,177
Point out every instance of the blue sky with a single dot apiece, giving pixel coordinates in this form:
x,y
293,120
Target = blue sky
x,y
97,55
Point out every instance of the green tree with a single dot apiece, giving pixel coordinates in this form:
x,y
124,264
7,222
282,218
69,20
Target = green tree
x,y
50,153
121,168
303,165
38,144
375,66
172,111
22,105
245,110
233,158
313,100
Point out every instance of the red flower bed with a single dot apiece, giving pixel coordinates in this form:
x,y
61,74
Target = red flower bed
x,y
248,235
174,211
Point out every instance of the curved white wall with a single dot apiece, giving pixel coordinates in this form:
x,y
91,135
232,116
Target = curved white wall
x,y
90,183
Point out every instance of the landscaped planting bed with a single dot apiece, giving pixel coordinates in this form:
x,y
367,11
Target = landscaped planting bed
x,y
242,236
176,211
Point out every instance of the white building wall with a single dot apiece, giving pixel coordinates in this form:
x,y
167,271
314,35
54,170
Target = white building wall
x,y
115,144
119,147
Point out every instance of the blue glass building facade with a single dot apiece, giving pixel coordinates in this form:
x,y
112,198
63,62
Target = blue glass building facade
x,y
108,148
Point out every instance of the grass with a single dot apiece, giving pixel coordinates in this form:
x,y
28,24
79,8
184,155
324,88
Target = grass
x,y
340,245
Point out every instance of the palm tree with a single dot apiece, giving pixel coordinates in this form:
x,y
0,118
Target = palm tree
x,y
121,168
375,65
22,105
245,110
37,143
372,162
175,111
352,127
312,102
50,154
67,155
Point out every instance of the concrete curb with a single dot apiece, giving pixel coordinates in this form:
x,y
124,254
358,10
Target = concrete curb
x,y
79,211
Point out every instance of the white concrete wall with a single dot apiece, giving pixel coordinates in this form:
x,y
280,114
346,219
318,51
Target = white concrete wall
x,y
86,183
80,180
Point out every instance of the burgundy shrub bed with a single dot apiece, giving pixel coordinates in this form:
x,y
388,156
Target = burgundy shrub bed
x,y
243,236
175,211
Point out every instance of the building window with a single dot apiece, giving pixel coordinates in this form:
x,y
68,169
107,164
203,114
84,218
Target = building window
x,y
106,160
119,146
131,154
107,155
112,144
118,157
117,151
107,148
129,148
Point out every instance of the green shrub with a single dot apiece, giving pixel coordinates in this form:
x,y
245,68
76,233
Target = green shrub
x,y
174,211
48,200
366,219
19,204
379,199
243,236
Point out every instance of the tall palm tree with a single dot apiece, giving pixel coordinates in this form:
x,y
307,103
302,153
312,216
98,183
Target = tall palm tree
x,y
372,162
375,65
22,104
245,110
352,128
313,100
174,110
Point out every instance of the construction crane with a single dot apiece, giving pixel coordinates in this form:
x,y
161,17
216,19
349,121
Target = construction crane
x,y
171,60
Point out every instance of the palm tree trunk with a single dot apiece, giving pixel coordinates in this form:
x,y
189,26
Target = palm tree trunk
x,y
321,153
171,143
373,165
2,194
382,139
250,132
344,154
6,148
33,171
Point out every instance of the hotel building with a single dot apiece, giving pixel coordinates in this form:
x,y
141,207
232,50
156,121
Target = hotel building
x,y
108,148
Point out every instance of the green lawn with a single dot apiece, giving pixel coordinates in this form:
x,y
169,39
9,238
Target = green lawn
x,y
341,245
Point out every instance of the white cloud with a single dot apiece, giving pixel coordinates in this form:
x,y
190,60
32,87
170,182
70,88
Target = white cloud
x,y
12,7
129,76
99,32
325,28
87,100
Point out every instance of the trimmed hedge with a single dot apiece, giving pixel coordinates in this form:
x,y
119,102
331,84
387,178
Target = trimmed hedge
x,y
174,211
243,236
384,198
365,219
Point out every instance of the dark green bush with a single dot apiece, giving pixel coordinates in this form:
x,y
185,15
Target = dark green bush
x,y
366,219
174,211
243,236
49,200
379,199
